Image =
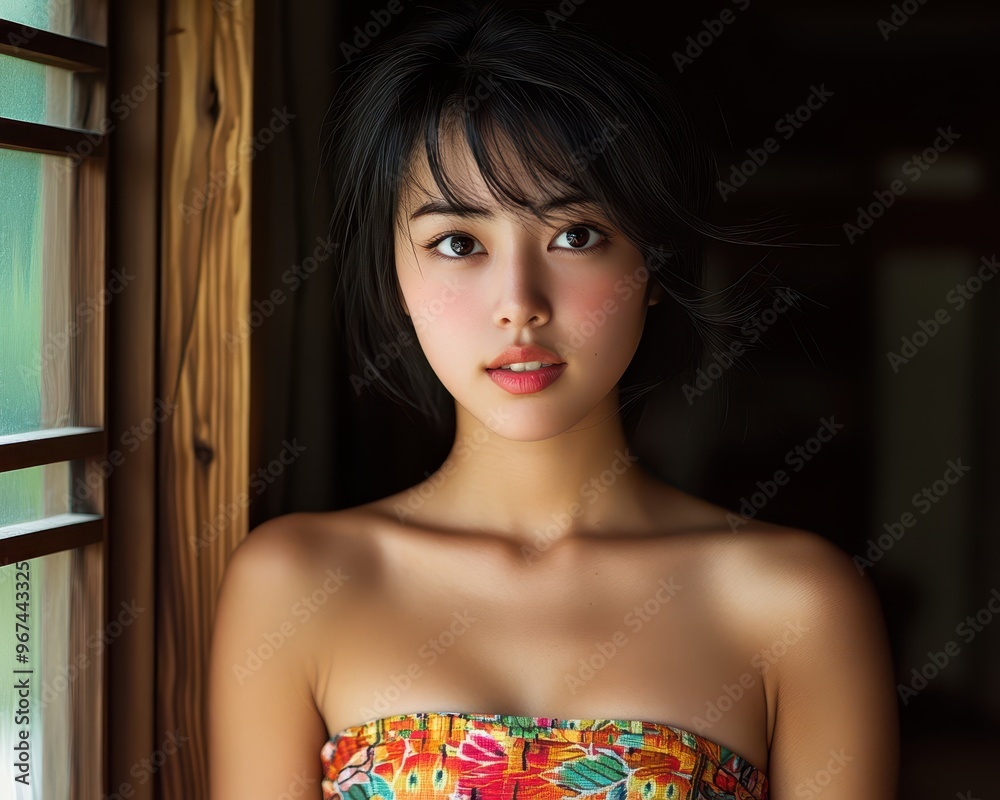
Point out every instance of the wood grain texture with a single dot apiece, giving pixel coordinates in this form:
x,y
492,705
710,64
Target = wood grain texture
x,y
205,295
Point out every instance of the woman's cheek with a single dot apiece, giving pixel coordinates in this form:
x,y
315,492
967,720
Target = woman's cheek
x,y
599,306
429,304
453,311
449,323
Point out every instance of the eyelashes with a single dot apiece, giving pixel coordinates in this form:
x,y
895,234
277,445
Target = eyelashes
x,y
432,245
603,244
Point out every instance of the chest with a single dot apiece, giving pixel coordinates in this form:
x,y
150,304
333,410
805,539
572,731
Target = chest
x,y
636,635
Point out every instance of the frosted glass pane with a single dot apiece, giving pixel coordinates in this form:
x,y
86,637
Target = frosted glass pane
x,y
35,493
51,633
49,15
20,291
29,12
47,333
34,92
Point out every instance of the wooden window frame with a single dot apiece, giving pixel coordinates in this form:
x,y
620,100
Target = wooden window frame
x,y
73,264
126,528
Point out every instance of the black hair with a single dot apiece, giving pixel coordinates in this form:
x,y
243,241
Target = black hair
x,y
579,113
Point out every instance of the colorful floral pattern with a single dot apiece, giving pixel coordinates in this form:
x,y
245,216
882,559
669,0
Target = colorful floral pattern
x,y
459,756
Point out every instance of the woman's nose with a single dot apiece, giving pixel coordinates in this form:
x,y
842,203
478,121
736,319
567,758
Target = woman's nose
x,y
522,291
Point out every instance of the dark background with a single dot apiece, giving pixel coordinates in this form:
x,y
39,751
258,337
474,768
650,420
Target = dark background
x,y
826,359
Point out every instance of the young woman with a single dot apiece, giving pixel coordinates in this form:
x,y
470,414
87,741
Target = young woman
x,y
520,219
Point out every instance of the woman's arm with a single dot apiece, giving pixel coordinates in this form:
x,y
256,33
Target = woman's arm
x,y
264,730
836,731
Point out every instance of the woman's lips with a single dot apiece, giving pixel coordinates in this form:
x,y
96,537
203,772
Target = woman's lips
x,y
526,382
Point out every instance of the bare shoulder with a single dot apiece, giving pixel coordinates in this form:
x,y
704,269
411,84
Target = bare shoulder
x,y
276,551
288,554
294,541
767,569
776,577
810,582
799,565
277,594
824,654
774,563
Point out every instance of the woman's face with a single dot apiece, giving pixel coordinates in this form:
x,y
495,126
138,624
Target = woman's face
x,y
477,284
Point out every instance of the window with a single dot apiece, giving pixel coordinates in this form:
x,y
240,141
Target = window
x,y
54,287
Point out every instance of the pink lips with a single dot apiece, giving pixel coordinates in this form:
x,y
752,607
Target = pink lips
x,y
526,382
524,353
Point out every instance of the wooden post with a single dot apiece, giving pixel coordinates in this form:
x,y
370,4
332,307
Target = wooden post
x,y
204,367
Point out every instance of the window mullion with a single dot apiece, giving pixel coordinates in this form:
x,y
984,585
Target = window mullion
x,y
51,49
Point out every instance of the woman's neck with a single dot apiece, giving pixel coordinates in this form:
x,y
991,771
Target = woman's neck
x,y
584,481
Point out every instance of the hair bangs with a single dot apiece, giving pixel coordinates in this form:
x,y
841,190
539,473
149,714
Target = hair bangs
x,y
523,158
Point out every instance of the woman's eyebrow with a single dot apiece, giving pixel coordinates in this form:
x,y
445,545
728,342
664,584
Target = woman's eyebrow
x,y
440,206
444,207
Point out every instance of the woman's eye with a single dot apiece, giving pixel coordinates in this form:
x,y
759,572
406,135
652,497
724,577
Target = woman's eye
x,y
579,237
457,245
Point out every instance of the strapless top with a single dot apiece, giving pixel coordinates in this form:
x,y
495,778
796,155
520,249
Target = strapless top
x,y
453,755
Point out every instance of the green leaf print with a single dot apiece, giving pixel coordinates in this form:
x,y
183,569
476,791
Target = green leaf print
x,y
376,787
592,773
523,727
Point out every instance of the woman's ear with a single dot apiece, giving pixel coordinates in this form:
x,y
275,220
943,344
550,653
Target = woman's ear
x,y
655,294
